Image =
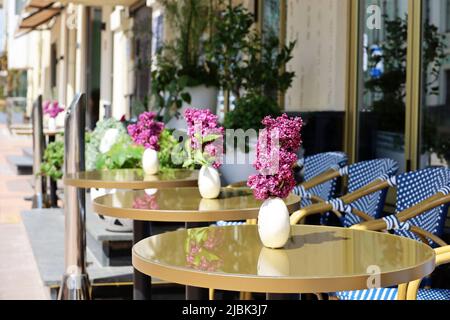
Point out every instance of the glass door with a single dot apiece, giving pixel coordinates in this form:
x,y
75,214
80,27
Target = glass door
x,y
434,116
382,70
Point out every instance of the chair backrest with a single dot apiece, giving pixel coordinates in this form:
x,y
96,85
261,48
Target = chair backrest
x,y
316,165
361,174
415,187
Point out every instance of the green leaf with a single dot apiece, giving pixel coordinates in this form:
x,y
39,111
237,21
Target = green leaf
x,y
186,97
211,137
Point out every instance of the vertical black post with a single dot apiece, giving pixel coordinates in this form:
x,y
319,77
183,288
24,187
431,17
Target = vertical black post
x,y
38,154
142,283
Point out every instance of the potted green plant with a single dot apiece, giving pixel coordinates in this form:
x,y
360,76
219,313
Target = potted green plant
x,y
53,161
182,76
251,69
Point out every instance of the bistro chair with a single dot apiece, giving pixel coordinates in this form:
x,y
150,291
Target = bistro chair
x,y
409,291
366,186
314,167
423,198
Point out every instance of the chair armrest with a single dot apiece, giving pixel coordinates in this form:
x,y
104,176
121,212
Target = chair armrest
x,y
426,205
322,178
308,211
347,199
441,259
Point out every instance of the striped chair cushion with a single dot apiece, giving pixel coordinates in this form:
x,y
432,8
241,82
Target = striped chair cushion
x,y
391,294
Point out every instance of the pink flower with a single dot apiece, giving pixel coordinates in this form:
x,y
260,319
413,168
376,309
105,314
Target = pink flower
x,y
146,131
276,155
202,124
52,108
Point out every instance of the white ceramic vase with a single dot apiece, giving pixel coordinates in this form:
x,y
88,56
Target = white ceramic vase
x,y
209,182
52,124
273,223
150,162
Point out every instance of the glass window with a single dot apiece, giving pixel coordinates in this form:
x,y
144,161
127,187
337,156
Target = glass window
x,y
319,61
381,104
435,107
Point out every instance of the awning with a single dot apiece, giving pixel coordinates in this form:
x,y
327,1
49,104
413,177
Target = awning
x,y
37,13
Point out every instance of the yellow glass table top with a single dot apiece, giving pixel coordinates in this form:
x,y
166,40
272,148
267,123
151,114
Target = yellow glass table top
x,y
132,179
183,205
316,259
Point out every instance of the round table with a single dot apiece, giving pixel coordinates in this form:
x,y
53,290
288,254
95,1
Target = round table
x,y
184,205
134,179
315,259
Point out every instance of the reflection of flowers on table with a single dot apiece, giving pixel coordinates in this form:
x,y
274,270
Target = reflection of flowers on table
x,y
146,202
201,249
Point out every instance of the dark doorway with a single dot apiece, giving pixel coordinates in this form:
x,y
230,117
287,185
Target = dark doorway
x,y
94,31
142,30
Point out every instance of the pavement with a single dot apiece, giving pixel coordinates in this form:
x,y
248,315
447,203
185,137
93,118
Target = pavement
x,y
19,276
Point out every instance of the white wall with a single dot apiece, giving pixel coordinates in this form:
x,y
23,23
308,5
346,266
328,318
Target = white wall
x,y
122,63
2,31
320,29
106,70
19,49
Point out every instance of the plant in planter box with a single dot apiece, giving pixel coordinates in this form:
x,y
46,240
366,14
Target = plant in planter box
x,y
250,68
247,63
230,45
124,154
98,143
180,63
52,166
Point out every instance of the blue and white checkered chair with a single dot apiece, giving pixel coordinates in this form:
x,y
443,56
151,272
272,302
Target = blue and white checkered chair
x,y
366,188
410,291
423,198
313,167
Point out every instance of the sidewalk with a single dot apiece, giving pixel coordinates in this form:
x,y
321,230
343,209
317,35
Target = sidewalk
x,y
19,276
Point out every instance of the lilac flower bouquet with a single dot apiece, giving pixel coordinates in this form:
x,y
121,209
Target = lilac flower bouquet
x,y
52,109
276,155
205,143
146,131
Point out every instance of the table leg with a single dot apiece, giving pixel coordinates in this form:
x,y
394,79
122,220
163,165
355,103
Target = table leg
x,y
194,293
53,184
142,283
53,196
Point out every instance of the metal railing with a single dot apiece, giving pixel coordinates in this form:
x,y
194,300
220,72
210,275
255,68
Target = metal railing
x,y
75,284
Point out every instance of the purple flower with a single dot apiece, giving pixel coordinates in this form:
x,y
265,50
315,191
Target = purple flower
x,y
276,155
52,108
202,124
146,131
